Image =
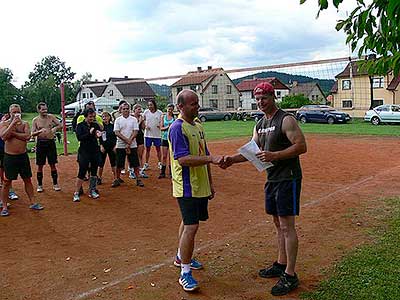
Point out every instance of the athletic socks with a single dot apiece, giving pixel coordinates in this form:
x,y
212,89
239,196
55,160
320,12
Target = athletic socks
x,y
54,176
39,176
185,268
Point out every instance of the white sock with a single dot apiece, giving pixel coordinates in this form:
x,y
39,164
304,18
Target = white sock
x,y
179,253
185,268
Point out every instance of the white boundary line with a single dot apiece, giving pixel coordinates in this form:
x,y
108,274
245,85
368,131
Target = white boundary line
x,y
150,268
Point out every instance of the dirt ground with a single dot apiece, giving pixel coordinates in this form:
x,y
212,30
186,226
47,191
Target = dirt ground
x,y
121,246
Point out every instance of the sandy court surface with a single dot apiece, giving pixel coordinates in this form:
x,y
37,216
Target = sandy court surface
x,y
121,246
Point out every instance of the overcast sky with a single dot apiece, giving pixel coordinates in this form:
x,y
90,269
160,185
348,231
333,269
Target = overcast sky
x,y
153,38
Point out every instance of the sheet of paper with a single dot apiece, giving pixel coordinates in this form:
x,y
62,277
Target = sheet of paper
x,y
249,151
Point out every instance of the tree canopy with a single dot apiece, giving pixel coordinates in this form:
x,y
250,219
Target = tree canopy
x,y
374,27
9,94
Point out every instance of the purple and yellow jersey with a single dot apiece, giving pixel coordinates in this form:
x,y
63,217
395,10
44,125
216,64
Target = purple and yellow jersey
x,y
188,139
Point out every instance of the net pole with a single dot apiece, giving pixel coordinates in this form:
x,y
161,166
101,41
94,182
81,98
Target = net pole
x,y
64,126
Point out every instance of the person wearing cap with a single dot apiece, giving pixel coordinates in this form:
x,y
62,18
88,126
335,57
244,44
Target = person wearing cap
x,y
281,142
166,120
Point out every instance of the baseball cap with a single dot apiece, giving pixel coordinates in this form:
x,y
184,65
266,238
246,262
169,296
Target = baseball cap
x,y
264,88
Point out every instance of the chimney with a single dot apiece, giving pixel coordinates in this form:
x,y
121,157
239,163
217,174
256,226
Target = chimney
x,y
209,68
125,77
96,80
198,69
104,80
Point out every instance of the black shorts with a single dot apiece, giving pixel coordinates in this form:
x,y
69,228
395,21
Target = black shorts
x,y
164,143
17,164
283,198
46,149
111,156
140,138
193,210
1,158
88,162
133,158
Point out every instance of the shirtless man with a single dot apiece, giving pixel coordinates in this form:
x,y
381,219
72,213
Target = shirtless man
x,y
44,127
16,134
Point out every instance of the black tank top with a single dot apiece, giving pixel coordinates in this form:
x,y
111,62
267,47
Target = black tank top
x,y
271,138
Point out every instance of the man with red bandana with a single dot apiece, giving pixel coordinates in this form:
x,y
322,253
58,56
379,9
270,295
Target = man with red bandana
x,y
281,141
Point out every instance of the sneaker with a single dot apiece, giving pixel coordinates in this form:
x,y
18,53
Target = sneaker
x,y
76,197
188,283
56,187
139,183
146,167
120,180
39,189
159,165
123,172
285,284
142,174
12,196
132,175
276,270
115,183
36,206
4,213
1,205
194,264
99,181
93,194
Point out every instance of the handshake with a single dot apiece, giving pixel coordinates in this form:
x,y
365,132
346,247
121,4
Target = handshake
x,y
223,161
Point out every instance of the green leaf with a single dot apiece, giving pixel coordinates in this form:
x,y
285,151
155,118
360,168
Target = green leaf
x,y
323,4
302,1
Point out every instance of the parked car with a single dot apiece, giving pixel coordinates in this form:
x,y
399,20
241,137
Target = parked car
x,y
386,113
256,115
321,114
210,113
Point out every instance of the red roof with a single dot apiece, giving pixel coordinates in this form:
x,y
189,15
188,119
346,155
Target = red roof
x,y
250,84
197,77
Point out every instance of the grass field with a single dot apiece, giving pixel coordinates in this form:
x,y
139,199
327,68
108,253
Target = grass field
x,y
370,272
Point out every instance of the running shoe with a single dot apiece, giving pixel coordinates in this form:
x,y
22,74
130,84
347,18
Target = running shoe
x,y
56,187
120,180
159,165
76,197
36,206
4,213
132,174
142,174
188,283
12,195
139,183
93,194
285,284
39,189
123,172
194,264
115,183
275,270
146,167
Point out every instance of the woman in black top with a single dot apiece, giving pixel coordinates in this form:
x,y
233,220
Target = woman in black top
x,y
107,141
87,133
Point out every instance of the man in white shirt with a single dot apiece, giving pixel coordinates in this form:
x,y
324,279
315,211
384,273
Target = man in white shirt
x,y
126,128
152,133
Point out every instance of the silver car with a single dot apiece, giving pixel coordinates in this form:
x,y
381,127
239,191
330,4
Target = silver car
x,y
387,113
210,113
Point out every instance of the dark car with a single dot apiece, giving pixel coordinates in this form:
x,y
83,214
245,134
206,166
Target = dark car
x,y
210,113
256,115
321,114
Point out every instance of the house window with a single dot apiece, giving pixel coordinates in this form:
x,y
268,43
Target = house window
x,y
278,94
193,88
377,82
214,103
347,103
230,103
111,93
254,106
84,95
346,84
312,97
229,89
214,89
377,102
91,95
179,89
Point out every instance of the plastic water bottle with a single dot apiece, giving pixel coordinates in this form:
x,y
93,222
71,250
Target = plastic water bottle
x,y
104,136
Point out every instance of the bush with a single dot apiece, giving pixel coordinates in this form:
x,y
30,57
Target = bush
x,y
294,101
